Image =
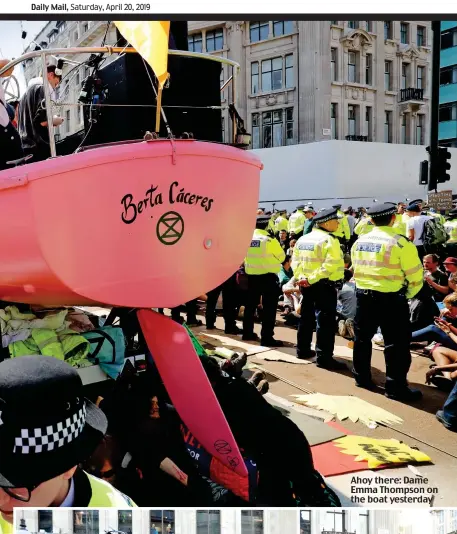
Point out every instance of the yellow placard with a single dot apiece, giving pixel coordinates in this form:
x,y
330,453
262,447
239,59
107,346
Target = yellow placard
x,y
150,40
380,451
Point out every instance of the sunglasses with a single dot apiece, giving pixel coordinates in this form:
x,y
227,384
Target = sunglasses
x,y
20,494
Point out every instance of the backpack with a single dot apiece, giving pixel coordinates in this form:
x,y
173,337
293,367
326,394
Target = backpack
x,y
434,233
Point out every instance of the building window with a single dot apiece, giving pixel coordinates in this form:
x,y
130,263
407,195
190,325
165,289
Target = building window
x,y
387,29
75,35
352,120
353,24
448,75
85,27
334,65
334,120
305,522
195,42
258,31
85,522
255,130
290,126
420,81
251,522
334,23
335,521
273,128
214,40
404,33
404,129
449,39
162,521
421,36
77,78
44,520
369,70
208,522
80,114
404,75
52,37
388,127
282,27
255,77
272,74
362,522
448,112
125,521
369,25
289,71
67,121
368,122
387,75
420,129
352,67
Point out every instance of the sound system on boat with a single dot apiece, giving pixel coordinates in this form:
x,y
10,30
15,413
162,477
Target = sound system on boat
x,y
188,99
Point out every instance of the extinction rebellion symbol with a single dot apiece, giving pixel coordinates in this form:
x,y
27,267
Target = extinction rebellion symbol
x,y
170,228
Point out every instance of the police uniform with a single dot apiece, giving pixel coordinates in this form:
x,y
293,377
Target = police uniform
x,y
262,265
344,231
451,229
297,222
271,223
387,272
363,226
281,223
318,259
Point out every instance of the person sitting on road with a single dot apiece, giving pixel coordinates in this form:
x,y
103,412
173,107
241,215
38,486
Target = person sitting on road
x,y
346,307
447,416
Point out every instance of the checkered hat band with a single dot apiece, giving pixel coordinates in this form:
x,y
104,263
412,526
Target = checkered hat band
x,y
49,438
326,219
384,213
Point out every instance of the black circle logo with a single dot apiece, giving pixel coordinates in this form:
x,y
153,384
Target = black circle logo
x,y
170,228
222,447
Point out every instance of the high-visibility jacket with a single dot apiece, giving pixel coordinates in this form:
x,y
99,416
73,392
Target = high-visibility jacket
x,y
297,222
104,495
437,216
318,256
363,226
451,230
344,230
399,224
265,255
281,223
271,223
387,262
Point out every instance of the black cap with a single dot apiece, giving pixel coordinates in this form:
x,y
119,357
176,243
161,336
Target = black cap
x,y
453,212
337,206
263,218
414,206
380,210
301,207
326,215
417,201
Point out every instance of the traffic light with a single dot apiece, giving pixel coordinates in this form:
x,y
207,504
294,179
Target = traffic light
x,y
442,165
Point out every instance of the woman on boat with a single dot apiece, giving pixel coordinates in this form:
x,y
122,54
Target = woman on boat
x,y
10,142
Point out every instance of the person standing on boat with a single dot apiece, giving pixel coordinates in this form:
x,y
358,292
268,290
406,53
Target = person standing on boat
x,y
10,142
32,117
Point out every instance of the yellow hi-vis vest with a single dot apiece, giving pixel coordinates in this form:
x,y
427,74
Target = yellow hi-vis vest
x,y
281,223
399,224
318,256
437,216
265,255
344,229
271,224
451,230
297,222
363,226
5,527
386,262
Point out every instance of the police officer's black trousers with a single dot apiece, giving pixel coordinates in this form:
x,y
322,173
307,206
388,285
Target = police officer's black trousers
x,y
229,290
318,309
390,312
265,286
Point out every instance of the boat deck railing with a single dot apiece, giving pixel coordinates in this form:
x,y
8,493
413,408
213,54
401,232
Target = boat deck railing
x,y
43,54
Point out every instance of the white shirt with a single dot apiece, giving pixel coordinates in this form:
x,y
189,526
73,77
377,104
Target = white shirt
x,y
351,222
70,498
4,117
416,223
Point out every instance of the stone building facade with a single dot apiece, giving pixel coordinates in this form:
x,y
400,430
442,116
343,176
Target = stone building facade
x,y
304,81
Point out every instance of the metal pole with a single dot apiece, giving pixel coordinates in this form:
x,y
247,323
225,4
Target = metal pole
x,y
435,103
234,76
47,100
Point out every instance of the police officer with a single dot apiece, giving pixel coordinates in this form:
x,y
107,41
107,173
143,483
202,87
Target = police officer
x,y
281,223
297,222
343,232
262,265
387,272
318,266
451,229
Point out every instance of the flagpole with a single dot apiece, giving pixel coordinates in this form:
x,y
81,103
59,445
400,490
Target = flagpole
x,y
159,108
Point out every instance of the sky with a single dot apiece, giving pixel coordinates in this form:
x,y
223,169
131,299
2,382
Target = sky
x,y
11,43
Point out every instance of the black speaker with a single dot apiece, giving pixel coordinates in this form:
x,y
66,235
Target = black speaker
x,y
193,89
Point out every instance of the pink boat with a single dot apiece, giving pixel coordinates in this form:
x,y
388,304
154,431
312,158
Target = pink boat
x,y
141,225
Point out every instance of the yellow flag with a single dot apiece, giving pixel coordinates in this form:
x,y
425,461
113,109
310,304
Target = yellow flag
x,y
150,40
380,451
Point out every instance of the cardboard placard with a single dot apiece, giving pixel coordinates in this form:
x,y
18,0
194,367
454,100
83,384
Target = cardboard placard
x,y
442,200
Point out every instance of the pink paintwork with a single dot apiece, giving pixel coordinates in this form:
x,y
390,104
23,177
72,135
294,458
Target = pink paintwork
x,y
63,240
189,388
